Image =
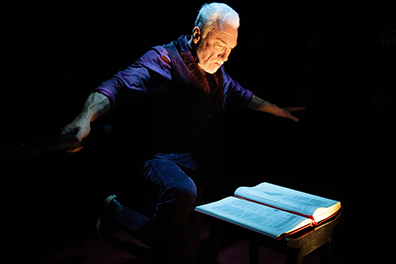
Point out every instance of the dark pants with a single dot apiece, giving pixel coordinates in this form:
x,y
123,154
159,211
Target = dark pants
x,y
174,230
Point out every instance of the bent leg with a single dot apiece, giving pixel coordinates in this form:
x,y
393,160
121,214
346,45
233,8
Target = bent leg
x,y
176,196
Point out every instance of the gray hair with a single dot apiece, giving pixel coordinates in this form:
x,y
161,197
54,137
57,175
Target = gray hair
x,y
213,16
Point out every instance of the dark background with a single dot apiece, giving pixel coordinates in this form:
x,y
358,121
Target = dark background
x,y
329,56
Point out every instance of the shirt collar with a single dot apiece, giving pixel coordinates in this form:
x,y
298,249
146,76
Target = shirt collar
x,y
186,47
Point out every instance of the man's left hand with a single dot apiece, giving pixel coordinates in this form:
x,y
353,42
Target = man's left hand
x,y
286,112
259,104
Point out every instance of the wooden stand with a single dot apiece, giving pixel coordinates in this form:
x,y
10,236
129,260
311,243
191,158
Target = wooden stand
x,y
295,246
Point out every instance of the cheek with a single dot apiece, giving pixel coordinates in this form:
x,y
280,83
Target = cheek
x,y
205,54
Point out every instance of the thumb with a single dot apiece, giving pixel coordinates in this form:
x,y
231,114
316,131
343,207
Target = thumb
x,y
81,135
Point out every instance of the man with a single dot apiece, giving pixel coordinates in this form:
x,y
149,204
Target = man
x,y
188,89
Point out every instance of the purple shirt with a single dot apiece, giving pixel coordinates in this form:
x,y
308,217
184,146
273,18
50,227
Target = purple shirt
x,y
152,73
181,141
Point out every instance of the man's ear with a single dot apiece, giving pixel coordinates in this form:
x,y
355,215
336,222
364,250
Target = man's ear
x,y
196,36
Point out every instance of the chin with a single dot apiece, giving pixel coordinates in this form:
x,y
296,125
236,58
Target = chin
x,y
211,70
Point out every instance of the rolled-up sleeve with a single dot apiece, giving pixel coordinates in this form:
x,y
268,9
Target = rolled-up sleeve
x,y
151,73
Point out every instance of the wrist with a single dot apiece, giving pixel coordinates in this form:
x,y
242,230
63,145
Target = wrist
x,y
86,116
268,107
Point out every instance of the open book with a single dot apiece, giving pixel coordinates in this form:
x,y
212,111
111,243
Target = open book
x,y
272,210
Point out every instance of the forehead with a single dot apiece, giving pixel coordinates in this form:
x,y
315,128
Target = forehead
x,y
226,34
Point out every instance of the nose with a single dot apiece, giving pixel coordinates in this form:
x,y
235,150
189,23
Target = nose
x,y
224,55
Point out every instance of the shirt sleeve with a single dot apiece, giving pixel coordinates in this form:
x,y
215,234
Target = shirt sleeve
x,y
236,94
150,74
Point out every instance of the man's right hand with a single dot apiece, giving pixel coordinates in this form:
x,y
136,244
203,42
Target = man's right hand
x,y
95,106
80,128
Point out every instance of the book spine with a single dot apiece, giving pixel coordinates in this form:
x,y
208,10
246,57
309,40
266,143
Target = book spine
x,y
314,223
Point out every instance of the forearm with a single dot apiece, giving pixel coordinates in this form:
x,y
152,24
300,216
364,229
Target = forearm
x,y
95,106
259,104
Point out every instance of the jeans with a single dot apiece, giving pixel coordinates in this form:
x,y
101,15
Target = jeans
x,y
174,230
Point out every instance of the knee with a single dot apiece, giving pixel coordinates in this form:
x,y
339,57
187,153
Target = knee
x,y
185,197
171,183
178,202
176,206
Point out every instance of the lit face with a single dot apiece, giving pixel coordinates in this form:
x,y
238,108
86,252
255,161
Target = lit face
x,y
214,50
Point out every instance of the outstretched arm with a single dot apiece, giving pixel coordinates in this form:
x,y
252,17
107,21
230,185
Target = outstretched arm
x,y
95,106
259,104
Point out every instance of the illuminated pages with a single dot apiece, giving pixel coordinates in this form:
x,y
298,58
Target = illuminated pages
x,y
272,210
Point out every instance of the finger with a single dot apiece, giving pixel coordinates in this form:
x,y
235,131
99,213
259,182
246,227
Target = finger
x,y
288,115
75,150
65,130
79,137
68,130
295,119
296,108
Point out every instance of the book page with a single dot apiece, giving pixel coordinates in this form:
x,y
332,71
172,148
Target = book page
x,y
285,198
254,216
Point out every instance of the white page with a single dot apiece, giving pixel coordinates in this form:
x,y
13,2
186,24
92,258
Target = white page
x,y
257,217
291,200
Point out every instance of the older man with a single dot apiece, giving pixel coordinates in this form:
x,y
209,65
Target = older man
x,y
187,89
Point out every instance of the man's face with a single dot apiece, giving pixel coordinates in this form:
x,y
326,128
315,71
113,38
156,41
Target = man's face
x,y
214,50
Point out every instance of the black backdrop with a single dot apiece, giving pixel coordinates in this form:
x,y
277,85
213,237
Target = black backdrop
x,y
328,56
